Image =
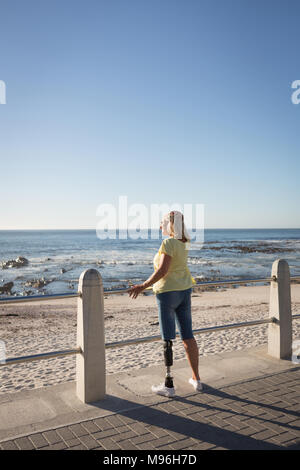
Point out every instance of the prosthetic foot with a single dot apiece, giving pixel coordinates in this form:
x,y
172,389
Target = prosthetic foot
x,y
166,389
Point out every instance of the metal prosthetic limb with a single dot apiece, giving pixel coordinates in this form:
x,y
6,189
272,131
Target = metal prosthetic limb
x,y
168,355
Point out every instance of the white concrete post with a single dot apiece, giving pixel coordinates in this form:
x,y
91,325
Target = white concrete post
x,y
280,333
90,365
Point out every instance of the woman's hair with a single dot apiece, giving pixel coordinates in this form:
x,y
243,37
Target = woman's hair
x,y
183,239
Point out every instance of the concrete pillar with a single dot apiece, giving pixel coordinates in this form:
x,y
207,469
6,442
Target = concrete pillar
x,y
90,365
280,333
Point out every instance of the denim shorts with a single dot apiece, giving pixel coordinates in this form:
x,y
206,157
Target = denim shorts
x,y
175,306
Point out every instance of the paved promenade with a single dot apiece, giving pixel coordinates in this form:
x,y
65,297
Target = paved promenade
x,y
258,412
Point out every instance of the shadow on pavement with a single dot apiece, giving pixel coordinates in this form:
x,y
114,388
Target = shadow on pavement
x,y
202,432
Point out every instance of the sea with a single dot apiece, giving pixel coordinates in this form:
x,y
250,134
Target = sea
x,y
58,257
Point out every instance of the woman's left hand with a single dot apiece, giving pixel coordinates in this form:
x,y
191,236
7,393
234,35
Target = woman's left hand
x,y
136,290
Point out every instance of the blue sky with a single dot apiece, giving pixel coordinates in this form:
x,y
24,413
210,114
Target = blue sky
x,y
162,101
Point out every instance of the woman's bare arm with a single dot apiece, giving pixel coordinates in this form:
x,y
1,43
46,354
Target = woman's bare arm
x,y
162,270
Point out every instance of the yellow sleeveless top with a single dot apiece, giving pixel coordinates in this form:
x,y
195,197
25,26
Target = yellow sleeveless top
x,y
178,276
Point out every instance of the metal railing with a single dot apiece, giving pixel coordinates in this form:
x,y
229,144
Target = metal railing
x,y
90,350
37,357
130,342
67,295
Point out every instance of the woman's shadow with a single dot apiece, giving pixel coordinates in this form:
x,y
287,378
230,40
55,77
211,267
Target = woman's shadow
x,y
182,415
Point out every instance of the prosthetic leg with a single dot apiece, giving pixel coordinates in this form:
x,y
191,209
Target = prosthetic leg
x,y
166,389
168,355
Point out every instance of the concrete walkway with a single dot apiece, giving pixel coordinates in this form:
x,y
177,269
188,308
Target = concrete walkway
x,y
250,401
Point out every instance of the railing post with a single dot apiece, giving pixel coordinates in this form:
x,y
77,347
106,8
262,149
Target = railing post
x,y
90,364
280,332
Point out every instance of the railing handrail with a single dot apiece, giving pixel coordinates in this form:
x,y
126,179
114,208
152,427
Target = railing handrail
x,y
66,295
90,350
131,342
35,357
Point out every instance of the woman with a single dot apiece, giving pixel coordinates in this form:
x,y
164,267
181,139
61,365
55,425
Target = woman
x,y
172,284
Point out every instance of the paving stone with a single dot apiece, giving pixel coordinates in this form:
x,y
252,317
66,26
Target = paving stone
x,y
197,417
294,408
268,415
235,422
122,429
52,437
296,422
78,430
284,419
104,434
109,444
124,435
58,446
247,431
38,440
182,444
264,434
103,424
286,436
9,445
204,446
218,422
181,405
114,420
277,428
146,446
127,419
79,447
73,442
255,424
65,433
142,439
207,413
128,445
178,435
24,443
295,443
89,442
158,432
90,426
163,441
138,428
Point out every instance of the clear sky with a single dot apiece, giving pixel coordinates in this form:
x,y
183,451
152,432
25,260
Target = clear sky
x,y
163,101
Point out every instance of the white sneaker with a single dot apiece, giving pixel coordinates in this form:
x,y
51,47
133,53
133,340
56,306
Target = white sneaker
x,y
196,384
163,390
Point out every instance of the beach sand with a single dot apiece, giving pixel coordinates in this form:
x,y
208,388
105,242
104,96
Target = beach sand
x,y
37,327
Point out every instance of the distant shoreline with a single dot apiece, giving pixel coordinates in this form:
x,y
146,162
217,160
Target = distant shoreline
x,y
55,259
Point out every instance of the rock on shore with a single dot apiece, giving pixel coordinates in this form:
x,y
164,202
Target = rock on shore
x,y
6,288
37,283
15,263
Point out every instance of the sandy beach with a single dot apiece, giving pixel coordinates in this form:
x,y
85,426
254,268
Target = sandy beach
x,y
46,326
